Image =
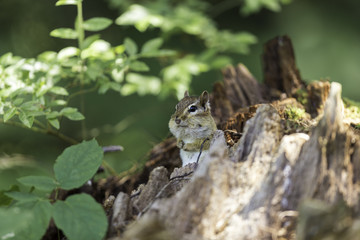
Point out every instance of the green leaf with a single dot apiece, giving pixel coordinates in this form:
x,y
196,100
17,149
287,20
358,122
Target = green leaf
x,y
97,24
72,114
80,217
18,101
66,53
141,18
118,75
66,33
14,220
6,200
59,91
77,164
152,45
130,46
55,123
141,84
58,102
66,2
31,106
9,114
109,85
139,66
99,49
39,182
47,56
22,196
89,40
26,120
36,228
52,115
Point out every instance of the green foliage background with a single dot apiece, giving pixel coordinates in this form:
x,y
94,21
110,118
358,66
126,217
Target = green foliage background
x,y
325,35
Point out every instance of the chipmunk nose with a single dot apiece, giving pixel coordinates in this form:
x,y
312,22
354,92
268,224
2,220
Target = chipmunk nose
x,y
177,120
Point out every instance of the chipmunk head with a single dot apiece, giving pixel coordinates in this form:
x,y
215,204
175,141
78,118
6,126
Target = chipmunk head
x,y
192,113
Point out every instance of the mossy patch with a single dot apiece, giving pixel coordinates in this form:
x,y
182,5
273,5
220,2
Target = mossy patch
x,y
294,113
352,112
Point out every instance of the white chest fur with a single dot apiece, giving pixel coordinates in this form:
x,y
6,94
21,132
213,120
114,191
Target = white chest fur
x,y
191,157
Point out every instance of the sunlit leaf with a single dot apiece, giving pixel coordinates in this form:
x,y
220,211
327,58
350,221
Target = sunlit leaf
x,y
99,49
66,33
135,13
47,56
26,120
139,66
53,114
97,24
89,40
72,114
119,49
67,2
59,91
144,84
118,75
140,17
68,52
58,102
128,89
55,123
9,114
152,45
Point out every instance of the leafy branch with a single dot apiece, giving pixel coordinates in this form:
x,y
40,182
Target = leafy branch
x,y
39,90
26,215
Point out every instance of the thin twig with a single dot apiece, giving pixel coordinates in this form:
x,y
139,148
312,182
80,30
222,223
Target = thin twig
x,y
82,91
201,148
42,130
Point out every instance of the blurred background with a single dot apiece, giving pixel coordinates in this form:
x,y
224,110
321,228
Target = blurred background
x,y
325,35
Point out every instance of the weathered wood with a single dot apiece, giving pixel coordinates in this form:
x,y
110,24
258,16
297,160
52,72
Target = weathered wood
x,y
254,190
280,71
318,92
241,87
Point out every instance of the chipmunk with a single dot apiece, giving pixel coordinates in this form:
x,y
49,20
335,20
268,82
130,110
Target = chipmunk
x,y
193,126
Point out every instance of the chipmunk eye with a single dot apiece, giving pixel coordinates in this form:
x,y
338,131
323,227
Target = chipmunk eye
x,y
192,108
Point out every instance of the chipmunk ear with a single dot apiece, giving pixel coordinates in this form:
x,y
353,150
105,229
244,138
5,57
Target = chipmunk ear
x,y
204,98
186,94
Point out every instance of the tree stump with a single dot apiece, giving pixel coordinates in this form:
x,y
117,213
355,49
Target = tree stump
x,y
267,176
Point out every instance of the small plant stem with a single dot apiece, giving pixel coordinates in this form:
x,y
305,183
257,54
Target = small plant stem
x,y
43,131
109,168
80,25
82,92
40,124
81,35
